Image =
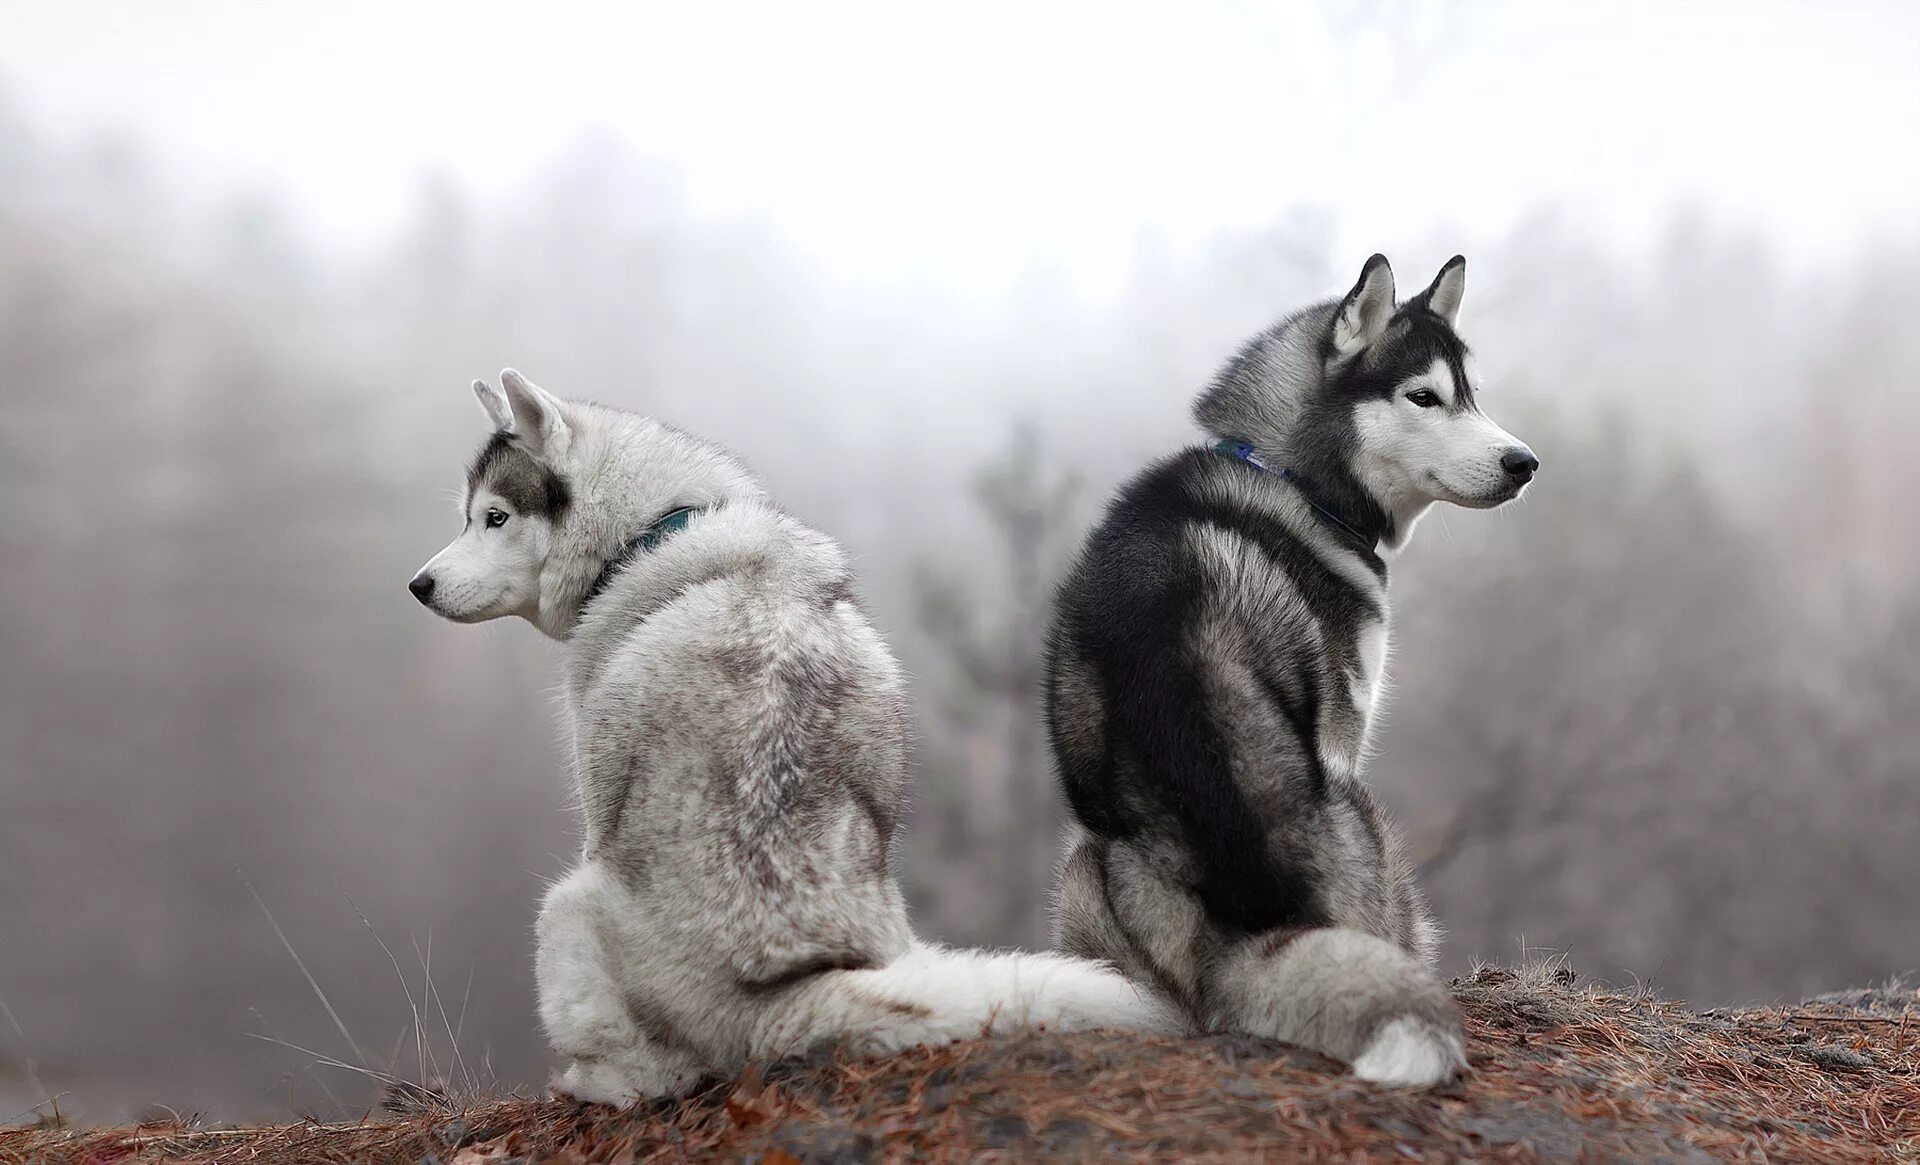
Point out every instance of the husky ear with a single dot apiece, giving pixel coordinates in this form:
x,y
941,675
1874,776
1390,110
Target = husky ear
x,y
535,415
495,402
1364,313
1442,297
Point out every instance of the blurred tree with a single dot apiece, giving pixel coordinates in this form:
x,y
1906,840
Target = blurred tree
x,y
997,818
1630,745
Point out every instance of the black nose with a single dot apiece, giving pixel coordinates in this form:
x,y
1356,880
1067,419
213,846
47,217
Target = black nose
x,y
422,586
1520,463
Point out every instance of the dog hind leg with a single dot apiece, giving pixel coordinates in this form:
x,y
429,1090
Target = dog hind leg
x,y
1352,995
1082,922
584,1010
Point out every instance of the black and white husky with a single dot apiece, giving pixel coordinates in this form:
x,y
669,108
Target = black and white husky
x,y
740,745
1215,663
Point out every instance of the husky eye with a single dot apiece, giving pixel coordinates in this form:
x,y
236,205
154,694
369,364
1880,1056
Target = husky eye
x,y
495,518
1426,398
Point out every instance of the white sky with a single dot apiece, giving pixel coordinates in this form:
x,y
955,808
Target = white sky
x,y
965,138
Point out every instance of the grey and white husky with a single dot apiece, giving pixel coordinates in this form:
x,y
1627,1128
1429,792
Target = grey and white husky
x,y
1216,660
740,742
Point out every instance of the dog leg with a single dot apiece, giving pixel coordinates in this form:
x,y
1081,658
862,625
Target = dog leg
x,y
1082,924
1349,994
584,1009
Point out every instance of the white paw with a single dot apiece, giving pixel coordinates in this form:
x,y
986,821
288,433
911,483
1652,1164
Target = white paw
x,y
595,1081
1411,1053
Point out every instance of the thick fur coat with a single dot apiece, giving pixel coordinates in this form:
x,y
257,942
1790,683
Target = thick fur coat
x,y
740,744
1216,662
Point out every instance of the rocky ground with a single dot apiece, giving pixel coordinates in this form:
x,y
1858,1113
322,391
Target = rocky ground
x,y
1562,1071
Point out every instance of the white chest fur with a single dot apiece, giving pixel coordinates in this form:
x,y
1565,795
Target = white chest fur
x,y
1370,677
1344,731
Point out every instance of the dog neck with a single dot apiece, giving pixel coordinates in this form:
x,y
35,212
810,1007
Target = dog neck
x,y
662,528
1359,526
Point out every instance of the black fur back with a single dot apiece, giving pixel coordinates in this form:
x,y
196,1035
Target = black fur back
x,y
1124,617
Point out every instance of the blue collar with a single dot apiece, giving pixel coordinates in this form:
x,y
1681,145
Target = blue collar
x,y
1243,451
645,542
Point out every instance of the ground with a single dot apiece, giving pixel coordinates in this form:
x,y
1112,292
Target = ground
x,y
1561,1072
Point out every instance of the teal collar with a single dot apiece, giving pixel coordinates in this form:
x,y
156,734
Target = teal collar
x,y
647,541
661,530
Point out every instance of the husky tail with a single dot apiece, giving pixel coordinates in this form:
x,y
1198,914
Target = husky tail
x,y
935,995
1346,993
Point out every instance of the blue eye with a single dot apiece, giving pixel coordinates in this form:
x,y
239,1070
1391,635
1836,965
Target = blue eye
x,y
495,518
1426,398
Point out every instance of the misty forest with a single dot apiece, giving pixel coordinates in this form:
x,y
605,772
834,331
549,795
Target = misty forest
x,y
1660,716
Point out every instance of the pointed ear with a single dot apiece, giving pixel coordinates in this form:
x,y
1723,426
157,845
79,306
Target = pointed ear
x,y
495,402
1442,297
1364,313
538,426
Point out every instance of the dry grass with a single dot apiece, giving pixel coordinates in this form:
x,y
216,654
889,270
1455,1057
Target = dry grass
x,y
1561,1072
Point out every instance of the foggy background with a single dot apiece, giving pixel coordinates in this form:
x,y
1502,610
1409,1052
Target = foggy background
x,y
944,279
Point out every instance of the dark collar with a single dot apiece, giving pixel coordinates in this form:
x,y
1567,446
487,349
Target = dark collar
x,y
1339,527
647,540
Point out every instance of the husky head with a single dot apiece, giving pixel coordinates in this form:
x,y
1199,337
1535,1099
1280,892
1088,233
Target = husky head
x,y
558,492
1371,407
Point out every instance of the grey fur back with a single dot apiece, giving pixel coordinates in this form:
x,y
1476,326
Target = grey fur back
x,y
753,785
